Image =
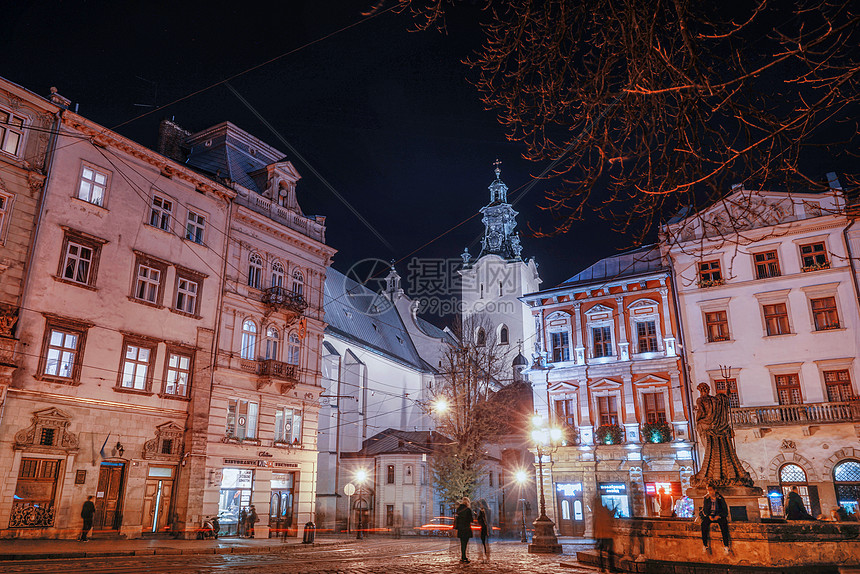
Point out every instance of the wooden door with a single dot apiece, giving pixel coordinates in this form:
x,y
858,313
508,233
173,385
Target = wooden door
x,y
156,504
109,496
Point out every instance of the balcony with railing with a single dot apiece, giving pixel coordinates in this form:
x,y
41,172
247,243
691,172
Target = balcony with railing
x,y
313,227
285,299
804,414
269,371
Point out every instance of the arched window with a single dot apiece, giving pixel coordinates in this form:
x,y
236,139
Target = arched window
x,y
277,274
846,478
298,282
293,347
791,475
255,270
481,337
272,340
249,340
503,335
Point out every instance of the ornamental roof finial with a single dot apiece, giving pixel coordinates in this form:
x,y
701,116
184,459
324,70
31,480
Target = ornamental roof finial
x,y
498,169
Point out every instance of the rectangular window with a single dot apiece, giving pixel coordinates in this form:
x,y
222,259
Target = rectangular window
x,y
602,341
288,426
148,283
177,378
33,503
389,475
195,227
788,389
62,350
241,419
646,333
136,368
824,313
92,186
565,412
766,264
607,410
160,212
47,437
189,285
710,273
560,347
838,386
717,326
728,387
776,319
408,477
11,132
79,262
814,256
5,207
655,409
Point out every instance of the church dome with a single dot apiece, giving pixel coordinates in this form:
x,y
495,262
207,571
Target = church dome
x,y
520,361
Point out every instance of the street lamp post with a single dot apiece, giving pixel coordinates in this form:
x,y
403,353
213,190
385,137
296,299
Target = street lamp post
x,y
522,478
544,539
360,477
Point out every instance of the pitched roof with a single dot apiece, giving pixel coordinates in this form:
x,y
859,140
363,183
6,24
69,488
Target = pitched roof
x,y
358,314
639,261
393,441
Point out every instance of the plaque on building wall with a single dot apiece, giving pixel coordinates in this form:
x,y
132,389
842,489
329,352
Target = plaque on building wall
x,y
81,477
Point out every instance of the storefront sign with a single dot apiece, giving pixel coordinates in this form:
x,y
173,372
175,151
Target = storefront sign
x,y
259,463
265,454
570,489
612,488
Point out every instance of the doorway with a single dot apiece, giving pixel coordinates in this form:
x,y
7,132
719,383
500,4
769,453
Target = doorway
x,y
108,514
571,519
282,505
156,499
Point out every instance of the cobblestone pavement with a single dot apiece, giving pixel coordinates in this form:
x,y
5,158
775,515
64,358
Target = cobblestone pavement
x,y
406,556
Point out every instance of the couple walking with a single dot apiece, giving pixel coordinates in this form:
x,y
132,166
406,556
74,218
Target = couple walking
x,y
463,526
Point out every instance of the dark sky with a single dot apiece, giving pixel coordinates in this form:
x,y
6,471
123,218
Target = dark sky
x,y
385,115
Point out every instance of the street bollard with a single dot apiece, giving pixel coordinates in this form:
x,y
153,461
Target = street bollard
x,y
310,532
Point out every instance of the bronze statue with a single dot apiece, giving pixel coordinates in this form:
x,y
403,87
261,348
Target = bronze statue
x,y
720,466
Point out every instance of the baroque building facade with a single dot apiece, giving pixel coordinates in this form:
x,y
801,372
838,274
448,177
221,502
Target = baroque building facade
x,y
609,374
768,291
115,335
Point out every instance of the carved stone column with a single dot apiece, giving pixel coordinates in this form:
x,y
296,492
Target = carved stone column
x,y
576,327
668,335
623,345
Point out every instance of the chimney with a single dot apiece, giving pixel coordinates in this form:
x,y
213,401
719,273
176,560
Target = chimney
x,y
56,98
170,140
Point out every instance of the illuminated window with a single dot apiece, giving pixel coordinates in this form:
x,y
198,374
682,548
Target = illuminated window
x,y
92,186
766,264
288,425
249,340
241,419
389,475
11,132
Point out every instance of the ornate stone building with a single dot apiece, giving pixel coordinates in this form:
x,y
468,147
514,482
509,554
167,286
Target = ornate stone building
x,y
115,333
768,292
261,422
608,373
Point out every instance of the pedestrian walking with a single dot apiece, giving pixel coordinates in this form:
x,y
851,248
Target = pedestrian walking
x,y
483,522
463,526
87,513
604,533
714,509
794,509
252,520
243,521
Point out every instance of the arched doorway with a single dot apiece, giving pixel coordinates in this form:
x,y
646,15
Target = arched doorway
x,y
846,480
791,475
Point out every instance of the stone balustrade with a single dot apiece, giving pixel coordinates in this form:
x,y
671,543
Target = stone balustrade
x,y
291,219
810,413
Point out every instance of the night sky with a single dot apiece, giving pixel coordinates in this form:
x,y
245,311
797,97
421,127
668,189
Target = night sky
x,y
386,115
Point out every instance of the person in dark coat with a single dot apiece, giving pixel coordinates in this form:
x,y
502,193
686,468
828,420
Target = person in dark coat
x,y
794,508
242,522
252,520
716,510
483,522
463,526
87,513
604,533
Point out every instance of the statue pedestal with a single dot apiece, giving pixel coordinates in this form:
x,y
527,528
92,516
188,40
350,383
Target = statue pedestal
x,y
741,500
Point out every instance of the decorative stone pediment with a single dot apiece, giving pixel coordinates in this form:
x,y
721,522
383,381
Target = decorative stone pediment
x,y
605,385
599,309
640,303
167,444
563,387
49,433
651,380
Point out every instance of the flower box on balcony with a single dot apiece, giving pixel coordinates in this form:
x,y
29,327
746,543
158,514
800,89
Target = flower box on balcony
x,y
656,432
609,434
815,267
705,283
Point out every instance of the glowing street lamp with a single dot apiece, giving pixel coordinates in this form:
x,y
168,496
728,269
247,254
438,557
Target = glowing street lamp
x,y
440,405
522,477
547,440
360,478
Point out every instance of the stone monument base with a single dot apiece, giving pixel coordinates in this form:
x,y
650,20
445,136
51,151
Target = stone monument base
x,y
672,545
743,501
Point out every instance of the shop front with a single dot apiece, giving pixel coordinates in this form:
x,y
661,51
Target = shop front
x,y
661,498
613,496
283,505
234,499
